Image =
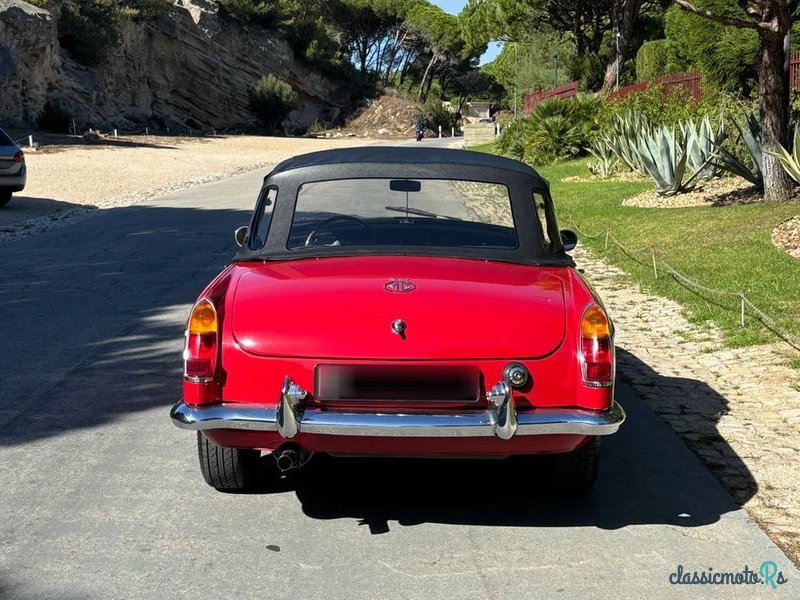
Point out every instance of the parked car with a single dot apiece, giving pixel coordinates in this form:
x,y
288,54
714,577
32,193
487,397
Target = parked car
x,y
399,301
12,168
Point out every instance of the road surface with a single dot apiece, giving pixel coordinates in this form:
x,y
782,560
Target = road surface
x,y
101,497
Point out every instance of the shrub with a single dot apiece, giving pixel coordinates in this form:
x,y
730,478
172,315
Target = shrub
x,y
554,137
556,129
146,10
512,142
55,117
651,60
434,114
267,13
271,100
89,29
659,108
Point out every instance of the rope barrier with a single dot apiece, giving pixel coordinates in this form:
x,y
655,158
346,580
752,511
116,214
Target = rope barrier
x,y
744,301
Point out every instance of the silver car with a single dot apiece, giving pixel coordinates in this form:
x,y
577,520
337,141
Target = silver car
x,y
12,168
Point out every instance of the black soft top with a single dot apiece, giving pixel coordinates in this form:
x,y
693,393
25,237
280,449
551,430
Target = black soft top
x,y
413,162
377,155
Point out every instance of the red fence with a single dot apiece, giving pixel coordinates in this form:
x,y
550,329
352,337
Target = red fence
x,y
687,81
794,70
534,97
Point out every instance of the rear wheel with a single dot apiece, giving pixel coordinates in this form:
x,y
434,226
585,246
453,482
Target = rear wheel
x,y
229,469
5,198
576,471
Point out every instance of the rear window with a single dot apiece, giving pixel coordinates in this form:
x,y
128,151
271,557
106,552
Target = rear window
x,y
5,140
403,212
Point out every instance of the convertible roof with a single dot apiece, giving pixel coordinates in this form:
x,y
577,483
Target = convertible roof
x,y
404,155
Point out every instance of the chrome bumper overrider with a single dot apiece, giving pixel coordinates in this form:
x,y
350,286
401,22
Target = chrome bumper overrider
x,y
500,419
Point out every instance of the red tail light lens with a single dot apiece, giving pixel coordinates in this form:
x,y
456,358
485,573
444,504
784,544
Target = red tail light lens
x,y
19,156
202,341
597,351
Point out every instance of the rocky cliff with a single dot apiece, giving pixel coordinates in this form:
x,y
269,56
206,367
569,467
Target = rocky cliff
x,y
193,69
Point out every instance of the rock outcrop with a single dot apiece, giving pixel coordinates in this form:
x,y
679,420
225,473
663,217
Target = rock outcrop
x,y
29,60
193,69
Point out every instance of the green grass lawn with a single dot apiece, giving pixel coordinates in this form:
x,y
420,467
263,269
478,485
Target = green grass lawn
x,y
726,248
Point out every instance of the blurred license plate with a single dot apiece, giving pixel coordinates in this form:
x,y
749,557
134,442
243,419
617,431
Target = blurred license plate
x,y
407,383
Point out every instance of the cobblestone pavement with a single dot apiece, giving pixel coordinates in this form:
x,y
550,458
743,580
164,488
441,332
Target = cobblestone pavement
x,y
738,409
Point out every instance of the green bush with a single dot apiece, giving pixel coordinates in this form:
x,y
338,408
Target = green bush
x,y
434,114
554,137
267,13
512,142
555,130
146,10
726,55
54,117
271,100
89,29
652,60
658,107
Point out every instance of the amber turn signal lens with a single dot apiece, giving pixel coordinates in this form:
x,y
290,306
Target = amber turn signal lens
x,y
595,323
203,319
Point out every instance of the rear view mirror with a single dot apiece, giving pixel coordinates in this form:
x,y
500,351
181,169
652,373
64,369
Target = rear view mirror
x,y
405,185
240,235
569,239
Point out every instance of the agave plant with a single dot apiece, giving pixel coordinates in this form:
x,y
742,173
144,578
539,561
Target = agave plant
x,y
790,162
751,137
702,146
605,162
665,157
626,129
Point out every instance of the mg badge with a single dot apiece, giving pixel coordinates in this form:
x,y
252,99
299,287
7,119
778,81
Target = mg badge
x,y
400,286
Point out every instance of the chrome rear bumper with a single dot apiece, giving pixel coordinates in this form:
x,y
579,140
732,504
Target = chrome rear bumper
x,y
500,419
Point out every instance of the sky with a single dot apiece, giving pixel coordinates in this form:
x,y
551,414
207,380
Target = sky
x,y
454,7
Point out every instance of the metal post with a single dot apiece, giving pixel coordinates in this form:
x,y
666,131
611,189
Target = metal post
x,y
30,141
147,131
516,78
555,69
619,62
440,132
115,133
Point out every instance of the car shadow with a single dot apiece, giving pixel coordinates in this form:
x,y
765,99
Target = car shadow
x,y
693,410
22,207
647,476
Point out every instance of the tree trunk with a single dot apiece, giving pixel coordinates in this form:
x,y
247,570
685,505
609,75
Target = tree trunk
x,y
420,96
774,99
629,10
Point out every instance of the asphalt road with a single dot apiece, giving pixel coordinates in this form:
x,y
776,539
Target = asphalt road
x,y
101,497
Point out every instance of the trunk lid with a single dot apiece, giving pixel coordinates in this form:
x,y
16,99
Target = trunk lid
x,y
340,308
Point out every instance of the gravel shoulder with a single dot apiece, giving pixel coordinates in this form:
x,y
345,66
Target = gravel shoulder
x,y
69,183
738,410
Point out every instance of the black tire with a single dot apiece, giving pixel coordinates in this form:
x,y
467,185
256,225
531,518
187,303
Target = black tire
x,y
576,471
229,469
5,198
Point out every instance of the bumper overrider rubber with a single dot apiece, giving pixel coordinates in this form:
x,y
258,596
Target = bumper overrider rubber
x,y
500,419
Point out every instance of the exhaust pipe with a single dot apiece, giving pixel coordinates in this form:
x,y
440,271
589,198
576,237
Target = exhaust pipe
x,y
291,458
287,460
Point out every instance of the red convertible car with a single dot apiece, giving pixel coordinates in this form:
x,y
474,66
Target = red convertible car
x,y
391,301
